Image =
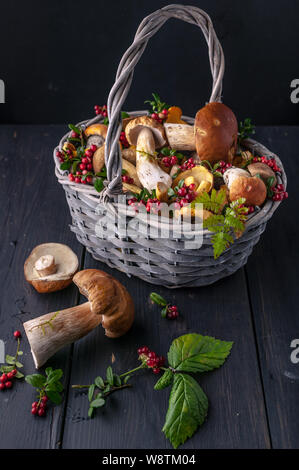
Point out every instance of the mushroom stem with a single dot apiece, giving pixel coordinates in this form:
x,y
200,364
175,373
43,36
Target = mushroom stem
x,y
148,169
180,136
49,333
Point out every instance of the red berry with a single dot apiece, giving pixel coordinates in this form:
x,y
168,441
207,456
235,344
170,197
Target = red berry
x,y
192,186
166,161
183,201
88,153
89,179
155,116
34,404
2,386
82,166
77,180
93,148
41,412
8,384
222,164
3,378
34,411
71,177
17,334
10,375
165,111
74,135
152,355
156,370
14,371
182,192
150,362
173,160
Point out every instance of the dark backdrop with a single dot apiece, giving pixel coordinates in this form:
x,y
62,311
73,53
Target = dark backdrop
x,y
59,58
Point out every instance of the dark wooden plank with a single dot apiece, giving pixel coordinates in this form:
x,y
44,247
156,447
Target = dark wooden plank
x,y
33,211
134,418
273,279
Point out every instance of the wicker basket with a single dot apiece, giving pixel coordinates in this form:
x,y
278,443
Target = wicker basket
x,y
156,260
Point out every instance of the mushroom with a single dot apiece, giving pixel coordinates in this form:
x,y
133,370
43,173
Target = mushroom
x,y
50,267
263,170
131,171
96,134
216,133
253,189
198,175
232,173
174,115
162,192
147,134
109,303
180,136
129,154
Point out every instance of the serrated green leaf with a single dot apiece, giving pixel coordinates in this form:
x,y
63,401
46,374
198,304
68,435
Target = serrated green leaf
x,y
36,380
109,375
55,397
91,392
197,353
165,380
188,407
99,382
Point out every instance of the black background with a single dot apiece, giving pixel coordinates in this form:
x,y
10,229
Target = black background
x,y
59,58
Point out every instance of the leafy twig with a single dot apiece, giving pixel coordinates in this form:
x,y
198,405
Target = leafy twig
x,y
13,363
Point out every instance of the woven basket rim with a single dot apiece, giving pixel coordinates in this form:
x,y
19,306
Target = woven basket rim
x,y
264,214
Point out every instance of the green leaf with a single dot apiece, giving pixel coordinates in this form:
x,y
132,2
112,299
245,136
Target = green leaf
x,y
197,353
19,365
55,397
158,299
91,392
109,375
54,375
188,408
65,166
10,359
221,242
126,379
55,386
48,370
98,185
97,403
19,375
124,115
36,380
75,129
20,353
164,312
165,380
6,368
90,412
116,380
99,382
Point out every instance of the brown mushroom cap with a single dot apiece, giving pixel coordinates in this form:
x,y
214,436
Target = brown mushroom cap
x,y
216,132
108,298
263,170
66,262
252,189
136,125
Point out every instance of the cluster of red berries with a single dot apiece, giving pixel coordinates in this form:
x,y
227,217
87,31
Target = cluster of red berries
x,y
223,166
188,164
172,312
84,167
153,361
39,407
123,140
279,193
6,379
160,117
151,204
170,161
185,195
60,156
127,179
271,162
101,110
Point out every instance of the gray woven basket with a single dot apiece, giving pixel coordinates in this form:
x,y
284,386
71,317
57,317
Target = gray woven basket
x,y
156,260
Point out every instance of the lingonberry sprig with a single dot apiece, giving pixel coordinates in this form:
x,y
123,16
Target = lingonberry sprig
x,y
48,387
170,157
168,311
10,369
158,109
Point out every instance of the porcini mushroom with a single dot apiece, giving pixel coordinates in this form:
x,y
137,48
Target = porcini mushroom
x,y
50,267
96,134
253,189
109,303
232,173
147,134
263,171
180,136
216,133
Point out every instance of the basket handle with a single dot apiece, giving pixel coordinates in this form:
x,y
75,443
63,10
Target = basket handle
x,y
147,28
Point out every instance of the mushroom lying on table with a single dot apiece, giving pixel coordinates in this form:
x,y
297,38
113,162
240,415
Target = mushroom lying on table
x,y
50,267
109,303
147,134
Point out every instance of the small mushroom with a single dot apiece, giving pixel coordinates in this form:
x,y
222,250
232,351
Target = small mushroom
x,y
232,173
263,170
50,267
201,177
216,133
147,134
129,154
162,192
96,134
253,189
131,171
109,303
98,160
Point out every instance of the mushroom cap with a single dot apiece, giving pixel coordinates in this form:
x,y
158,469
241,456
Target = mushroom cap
x,y
96,129
108,298
232,173
136,125
216,132
253,189
66,262
263,170
199,173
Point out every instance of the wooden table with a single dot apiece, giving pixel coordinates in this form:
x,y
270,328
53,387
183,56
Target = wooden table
x,y
254,397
